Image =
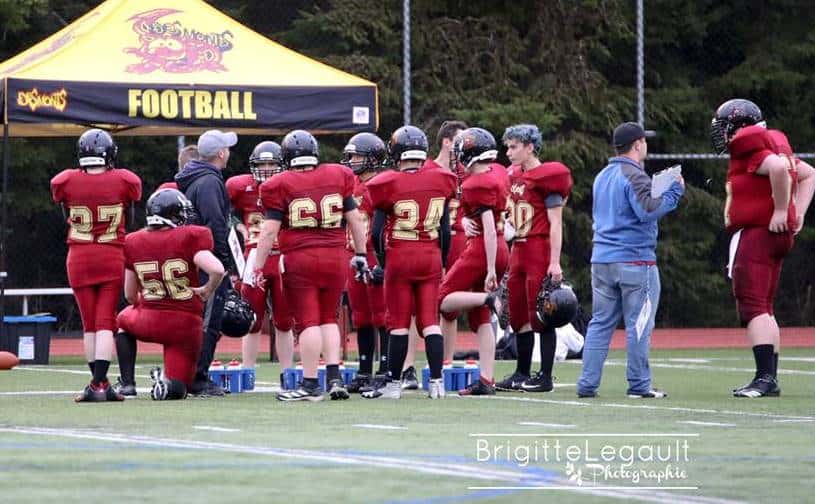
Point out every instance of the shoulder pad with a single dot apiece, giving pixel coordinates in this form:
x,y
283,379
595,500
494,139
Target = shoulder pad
x,y
749,141
781,141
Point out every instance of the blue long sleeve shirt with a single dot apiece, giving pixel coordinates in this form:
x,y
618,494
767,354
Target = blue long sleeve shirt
x,y
625,215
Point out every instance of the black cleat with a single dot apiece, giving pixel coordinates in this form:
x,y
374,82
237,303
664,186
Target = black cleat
x,y
337,390
538,383
409,380
763,386
207,389
301,393
512,383
478,387
125,389
379,381
360,381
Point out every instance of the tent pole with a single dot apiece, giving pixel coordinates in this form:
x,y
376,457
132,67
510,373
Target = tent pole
x,y
4,230
180,142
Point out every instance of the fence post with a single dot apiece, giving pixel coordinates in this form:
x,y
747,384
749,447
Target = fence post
x,y
640,64
406,60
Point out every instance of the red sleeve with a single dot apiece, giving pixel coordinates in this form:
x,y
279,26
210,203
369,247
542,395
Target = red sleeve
x,y
272,196
452,183
58,185
782,143
133,185
751,146
167,185
128,251
350,182
552,178
232,188
201,239
379,190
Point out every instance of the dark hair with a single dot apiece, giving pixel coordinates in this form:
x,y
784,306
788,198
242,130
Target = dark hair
x,y
448,130
622,149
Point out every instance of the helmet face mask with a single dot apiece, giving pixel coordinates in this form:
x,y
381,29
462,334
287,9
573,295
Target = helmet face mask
x,y
168,207
365,152
731,116
262,171
266,160
96,148
474,145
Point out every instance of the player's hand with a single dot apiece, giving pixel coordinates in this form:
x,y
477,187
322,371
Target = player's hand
x,y
234,279
362,273
555,272
203,292
491,282
377,275
681,181
471,227
778,223
259,279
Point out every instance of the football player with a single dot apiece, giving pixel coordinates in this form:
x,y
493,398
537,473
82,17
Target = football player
x,y
484,260
445,160
768,193
365,155
538,192
414,203
308,206
264,162
162,287
94,198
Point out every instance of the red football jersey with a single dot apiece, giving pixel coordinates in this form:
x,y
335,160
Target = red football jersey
x,y
749,195
96,203
167,185
453,207
486,190
366,210
163,259
312,203
528,195
414,202
245,197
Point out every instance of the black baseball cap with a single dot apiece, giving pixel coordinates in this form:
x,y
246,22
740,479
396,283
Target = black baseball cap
x,y
627,132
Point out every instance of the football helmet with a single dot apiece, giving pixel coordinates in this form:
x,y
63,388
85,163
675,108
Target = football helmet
x,y
407,143
368,145
729,118
473,145
238,316
96,147
265,153
556,303
299,148
168,207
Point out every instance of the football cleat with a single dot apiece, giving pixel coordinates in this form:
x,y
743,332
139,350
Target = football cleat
x,y
301,393
101,392
478,387
435,389
360,381
763,386
391,390
207,388
538,383
409,380
159,390
512,383
379,381
337,390
650,394
125,389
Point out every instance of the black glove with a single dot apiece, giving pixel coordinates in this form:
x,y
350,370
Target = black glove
x,y
377,275
360,264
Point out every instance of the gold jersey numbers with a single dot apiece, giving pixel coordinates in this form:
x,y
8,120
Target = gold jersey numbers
x,y
81,220
303,213
171,285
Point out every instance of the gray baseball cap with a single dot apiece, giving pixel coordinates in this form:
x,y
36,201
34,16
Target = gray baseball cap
x,y
214,140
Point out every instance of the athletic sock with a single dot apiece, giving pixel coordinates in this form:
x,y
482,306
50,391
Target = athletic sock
x,y
126,353
311,383
775,365
526,343
434,349
100,371
332,372
547,349
366,343
764,359
383,351
91,366
397,351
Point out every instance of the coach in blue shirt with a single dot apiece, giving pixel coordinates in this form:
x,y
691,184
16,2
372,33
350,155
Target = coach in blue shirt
x,y
624,274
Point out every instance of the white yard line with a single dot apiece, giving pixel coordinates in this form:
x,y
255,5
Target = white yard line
x,y
402,465
61,370
214,428
549,425
706,424
380,427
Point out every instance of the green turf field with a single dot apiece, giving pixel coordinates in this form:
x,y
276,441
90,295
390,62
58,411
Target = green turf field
x,y
251,446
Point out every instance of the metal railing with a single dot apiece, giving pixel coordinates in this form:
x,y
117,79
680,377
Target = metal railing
x,y
26,293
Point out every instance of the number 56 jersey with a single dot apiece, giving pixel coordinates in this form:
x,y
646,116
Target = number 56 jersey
x,y
163,259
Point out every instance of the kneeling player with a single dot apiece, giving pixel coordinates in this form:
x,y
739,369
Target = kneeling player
x,y
484,260
161,284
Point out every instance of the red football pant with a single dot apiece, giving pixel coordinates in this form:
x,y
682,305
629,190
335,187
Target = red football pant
x,y
469,273
756,270
180,332
458,244
281,311
412,277
367,300
97,305
528,263
313,281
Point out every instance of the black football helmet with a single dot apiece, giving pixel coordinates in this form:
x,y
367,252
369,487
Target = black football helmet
x,y
729,118
407,143
473,145
263,154
556,304
96,148
168,207
238,316
368,145
300,148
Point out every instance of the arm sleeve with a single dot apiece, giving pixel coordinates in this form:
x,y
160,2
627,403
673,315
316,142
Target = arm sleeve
x,y
348,204
638,191
444,233
378,236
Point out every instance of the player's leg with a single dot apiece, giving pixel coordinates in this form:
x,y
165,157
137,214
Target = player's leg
x,y
86,301
182,345
362,319
376,301
542,381
640,289
427,320
449,321
256,298
519,321
126,353
282,319
213,313
332,268
107,299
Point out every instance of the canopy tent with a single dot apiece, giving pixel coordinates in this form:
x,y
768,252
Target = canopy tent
x,y
159,67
